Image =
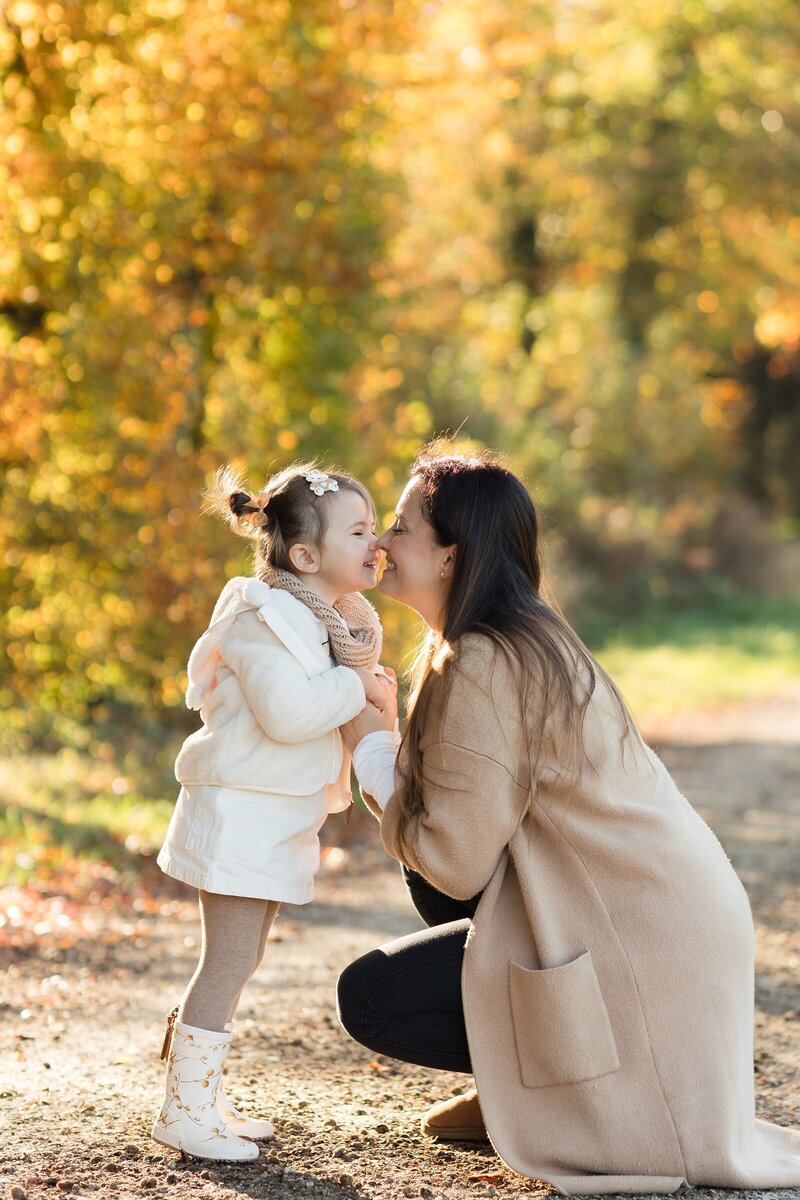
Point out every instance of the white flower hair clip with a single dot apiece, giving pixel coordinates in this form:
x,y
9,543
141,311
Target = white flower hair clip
x,y
320,483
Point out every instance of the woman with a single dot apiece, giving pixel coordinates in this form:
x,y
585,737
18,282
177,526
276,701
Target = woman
x,y
595,971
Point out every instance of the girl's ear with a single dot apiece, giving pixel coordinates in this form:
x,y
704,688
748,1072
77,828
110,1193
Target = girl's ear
x,y
303,558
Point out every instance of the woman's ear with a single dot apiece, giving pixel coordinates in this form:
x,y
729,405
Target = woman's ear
x,y
303,558
448,563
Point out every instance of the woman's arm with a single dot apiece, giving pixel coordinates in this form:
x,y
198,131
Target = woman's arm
x,y
472,798
471,810
372,737
374,762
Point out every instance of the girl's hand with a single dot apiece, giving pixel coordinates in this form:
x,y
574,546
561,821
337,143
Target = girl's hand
x,y
369,720
390,675
378,688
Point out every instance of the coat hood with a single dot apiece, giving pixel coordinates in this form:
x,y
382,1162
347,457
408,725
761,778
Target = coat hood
x,y
237,596
282,612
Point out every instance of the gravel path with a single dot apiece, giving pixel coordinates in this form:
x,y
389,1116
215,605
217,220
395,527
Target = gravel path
x,y
81,1027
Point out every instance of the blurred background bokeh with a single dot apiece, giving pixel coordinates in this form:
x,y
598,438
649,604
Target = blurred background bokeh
x,y
253,231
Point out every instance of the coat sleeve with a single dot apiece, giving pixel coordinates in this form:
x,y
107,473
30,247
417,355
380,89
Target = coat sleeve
x,y
288,705
473,799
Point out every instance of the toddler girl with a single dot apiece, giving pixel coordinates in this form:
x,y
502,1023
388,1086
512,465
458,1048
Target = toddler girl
x,y
289,656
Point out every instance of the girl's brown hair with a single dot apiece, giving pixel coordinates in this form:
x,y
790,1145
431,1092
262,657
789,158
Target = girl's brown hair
x,y
475,503
284,512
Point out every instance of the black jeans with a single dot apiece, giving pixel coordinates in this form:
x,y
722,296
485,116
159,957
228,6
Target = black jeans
x,y
404,999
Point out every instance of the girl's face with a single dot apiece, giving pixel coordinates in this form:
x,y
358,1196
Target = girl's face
x,y
348,559
418,570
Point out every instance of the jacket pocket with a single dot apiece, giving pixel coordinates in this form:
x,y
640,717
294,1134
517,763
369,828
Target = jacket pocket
x,y
561,1026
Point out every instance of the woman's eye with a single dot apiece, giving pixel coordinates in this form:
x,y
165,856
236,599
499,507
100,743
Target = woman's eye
x,y
395,529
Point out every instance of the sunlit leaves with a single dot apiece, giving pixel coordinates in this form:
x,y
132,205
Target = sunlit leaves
x,y
187,222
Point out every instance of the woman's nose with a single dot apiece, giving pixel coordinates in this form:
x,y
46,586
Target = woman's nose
x,y
383,541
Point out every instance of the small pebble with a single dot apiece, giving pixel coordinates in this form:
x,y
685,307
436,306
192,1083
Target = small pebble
x,y
381,1128
149,1183
18,1193
172,1179
131,1151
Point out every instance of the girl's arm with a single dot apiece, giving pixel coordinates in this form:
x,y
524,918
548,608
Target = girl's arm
x,y
288,705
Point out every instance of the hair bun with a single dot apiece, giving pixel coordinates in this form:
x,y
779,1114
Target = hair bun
x,y
241,502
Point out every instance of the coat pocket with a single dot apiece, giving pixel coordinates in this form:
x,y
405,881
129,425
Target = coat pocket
x,y
561,1026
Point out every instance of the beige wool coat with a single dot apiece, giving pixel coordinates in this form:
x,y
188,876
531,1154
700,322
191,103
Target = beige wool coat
x,y
608,977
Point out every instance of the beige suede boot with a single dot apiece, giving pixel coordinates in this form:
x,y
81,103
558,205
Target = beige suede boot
x,y
189,1120
456,1120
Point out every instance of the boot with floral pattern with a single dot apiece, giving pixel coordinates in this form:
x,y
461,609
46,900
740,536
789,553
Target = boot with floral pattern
x,y
237,1122
189,1120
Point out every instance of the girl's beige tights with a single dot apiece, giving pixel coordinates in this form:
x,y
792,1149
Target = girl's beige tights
x,y
235,930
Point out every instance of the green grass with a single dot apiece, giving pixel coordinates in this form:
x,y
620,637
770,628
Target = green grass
x,y
58,811
731,649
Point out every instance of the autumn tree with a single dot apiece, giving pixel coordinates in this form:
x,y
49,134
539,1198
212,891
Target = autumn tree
x,y
189,217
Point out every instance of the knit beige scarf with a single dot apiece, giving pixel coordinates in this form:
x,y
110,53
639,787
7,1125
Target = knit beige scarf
x,y
356,645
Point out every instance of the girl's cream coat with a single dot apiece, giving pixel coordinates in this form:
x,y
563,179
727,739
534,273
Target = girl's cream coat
x,y
271,701
263,680
608,979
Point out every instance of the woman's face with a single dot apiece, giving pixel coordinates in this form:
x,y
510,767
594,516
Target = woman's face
x,y
418,570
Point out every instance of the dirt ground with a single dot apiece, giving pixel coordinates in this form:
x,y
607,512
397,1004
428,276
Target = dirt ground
x,y
81,1027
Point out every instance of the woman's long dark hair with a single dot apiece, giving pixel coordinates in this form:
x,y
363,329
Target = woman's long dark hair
x,y
475,503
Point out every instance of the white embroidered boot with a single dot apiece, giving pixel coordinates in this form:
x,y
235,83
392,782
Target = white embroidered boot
x,y
236,1121
189,1120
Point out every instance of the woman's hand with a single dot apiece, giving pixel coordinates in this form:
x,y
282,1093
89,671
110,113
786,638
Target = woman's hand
x,y
370,720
